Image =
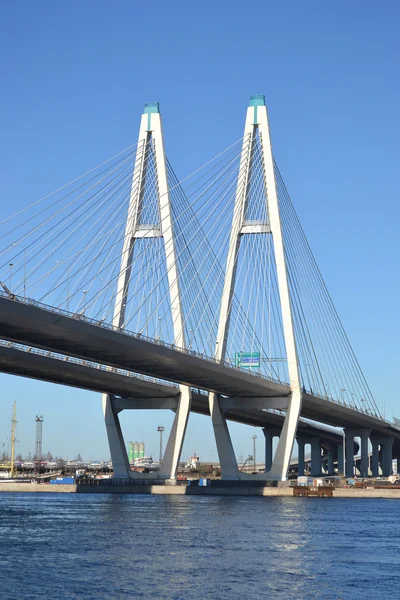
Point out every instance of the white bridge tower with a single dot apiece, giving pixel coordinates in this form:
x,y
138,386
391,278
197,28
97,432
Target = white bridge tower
x,y
150,136
257,130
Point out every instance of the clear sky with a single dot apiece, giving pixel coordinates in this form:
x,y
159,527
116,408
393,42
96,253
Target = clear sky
x,y
74,78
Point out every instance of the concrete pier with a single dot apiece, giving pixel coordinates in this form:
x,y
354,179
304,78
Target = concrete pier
x,y
315,457
340,459
349,469
330,462
382,453
375,458
301,466
269,434
364,435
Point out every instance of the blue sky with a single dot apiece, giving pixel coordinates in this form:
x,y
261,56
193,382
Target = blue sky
x,y
74,79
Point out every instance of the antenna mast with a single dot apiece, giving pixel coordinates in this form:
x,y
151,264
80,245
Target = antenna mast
x,y
38,442
13,429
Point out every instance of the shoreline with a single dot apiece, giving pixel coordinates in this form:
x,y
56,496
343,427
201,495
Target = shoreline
x,y
181,490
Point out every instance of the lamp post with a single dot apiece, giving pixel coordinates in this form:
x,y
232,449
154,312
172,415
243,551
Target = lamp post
x,y
310,377
84,301
248,460
254,437
342,394
158,332
11,266
160,429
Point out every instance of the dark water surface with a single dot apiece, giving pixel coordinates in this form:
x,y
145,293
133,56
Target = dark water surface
x,y
109,547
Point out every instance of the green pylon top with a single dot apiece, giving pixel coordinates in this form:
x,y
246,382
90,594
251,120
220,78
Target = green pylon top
x,y
257,100
151,107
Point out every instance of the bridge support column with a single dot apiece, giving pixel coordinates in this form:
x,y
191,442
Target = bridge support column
x,y
226,454
301,466
364,435
349,470
269,433
172,455
119,457
398,466
315,457
269,438
375,457
387,460
330,462
384,457
364,470
340,458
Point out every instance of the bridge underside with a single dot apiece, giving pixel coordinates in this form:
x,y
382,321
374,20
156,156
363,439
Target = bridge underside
x,y
117,356
43,367
148,394
40,328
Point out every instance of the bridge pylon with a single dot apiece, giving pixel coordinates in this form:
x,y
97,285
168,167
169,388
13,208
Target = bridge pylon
x,y
150,149
257,142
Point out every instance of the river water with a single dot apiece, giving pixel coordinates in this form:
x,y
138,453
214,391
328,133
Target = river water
x,y
67,546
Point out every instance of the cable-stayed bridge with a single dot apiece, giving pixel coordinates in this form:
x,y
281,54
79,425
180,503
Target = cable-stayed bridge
x,y
208,283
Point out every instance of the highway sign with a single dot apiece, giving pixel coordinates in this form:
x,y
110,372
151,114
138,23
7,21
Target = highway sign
x,y
247,360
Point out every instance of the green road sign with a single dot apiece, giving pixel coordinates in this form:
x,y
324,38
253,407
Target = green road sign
x,y
247,360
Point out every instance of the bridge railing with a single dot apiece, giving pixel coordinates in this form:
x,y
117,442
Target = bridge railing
x,y
366,411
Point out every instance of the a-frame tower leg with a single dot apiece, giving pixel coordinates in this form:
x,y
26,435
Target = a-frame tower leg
x,y
150,133
257,119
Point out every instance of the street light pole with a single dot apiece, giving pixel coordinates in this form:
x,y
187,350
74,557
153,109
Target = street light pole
x,y
84,301
158,329
160,429
254,437
11,266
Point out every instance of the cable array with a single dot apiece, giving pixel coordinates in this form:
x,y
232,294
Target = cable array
x,y
54,248
327,362
66,250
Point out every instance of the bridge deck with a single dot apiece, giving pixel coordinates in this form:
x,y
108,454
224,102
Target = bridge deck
x,y
45,368
42,328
